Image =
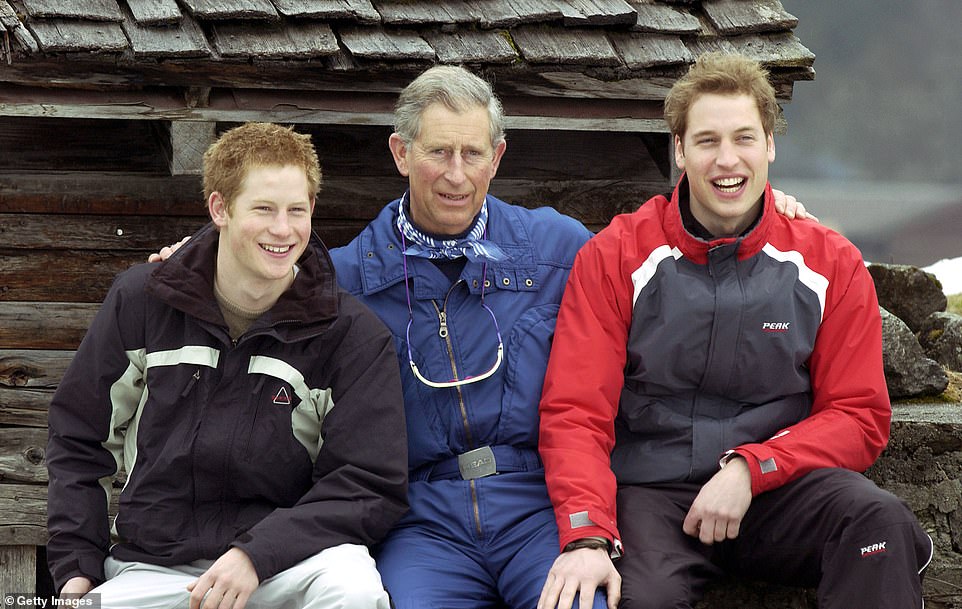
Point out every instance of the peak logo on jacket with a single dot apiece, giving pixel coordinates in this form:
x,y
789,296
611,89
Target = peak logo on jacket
x,y
775,326
282,397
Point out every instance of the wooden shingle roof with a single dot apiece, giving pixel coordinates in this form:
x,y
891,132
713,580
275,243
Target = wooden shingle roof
x,y
345,60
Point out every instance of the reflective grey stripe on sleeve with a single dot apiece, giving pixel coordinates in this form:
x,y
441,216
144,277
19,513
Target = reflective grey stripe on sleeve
x,y
580,519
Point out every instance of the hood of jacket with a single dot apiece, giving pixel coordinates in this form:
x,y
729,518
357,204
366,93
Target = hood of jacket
x,y
186,282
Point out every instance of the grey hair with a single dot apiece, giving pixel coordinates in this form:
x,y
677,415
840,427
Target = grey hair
x,y
455,87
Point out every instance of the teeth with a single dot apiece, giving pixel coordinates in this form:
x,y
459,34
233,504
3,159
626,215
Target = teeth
x,y
729,183
276,250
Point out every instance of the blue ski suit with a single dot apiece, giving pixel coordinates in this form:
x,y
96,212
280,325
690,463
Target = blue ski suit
x,y
470,540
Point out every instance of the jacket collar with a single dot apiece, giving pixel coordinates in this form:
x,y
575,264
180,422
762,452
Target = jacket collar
x,y
747,244
185,281
382,264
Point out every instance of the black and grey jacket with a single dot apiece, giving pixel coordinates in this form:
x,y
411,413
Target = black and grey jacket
x,y
286,443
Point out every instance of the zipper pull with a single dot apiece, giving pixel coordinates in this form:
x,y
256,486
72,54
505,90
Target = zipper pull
x,y
191,383
443,328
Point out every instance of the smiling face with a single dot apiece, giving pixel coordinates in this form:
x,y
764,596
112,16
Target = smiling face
x,y
449,166
263,232
725,153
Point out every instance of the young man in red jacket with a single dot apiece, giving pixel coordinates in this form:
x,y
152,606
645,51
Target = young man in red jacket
x,y
729,387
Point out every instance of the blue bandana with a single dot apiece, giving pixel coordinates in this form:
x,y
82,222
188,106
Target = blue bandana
x,y
473,245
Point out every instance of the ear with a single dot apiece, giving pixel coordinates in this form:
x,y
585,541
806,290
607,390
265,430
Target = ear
x,y
400,152
498,153
217,207
771,148
679,153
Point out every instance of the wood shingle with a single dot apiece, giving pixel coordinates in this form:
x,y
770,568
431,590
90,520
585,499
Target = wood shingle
x,y
154,12
471,46
541,44
232,9
653,16
640,50
183,38
740,17
362,10
94,10
380,44
597,12
275,39
56,35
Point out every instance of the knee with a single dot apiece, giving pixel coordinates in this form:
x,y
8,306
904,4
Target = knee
x,y
348,593
654,597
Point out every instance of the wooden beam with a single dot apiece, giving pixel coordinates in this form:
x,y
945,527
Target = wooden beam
x,y
44,325
18,569
22,453
34,369
23,518
188,143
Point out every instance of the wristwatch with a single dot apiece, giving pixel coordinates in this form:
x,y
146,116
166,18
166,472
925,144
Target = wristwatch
x,y
592,543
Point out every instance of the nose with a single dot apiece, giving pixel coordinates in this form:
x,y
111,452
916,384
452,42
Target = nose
x,y
727,154
281,224
454,171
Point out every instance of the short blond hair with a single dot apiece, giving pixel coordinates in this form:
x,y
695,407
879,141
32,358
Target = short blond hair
x,y
229,159
724,74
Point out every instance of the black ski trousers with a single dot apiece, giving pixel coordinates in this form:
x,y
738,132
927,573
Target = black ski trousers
x,y
832,529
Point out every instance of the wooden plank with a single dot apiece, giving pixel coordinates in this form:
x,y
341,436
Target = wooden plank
x,y
471,46
26,145
23,515
304,39
597,12
18,571
34,369
154,12
402,12
188,143
82,275
653,16
22,452
57,35
183,38
732,17
37,232
232,9
641,50
95,10
44,325
82,192
24,407
378,43
542,44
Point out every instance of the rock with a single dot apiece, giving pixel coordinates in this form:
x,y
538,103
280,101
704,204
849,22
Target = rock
x,y
941,339
908,372
907,292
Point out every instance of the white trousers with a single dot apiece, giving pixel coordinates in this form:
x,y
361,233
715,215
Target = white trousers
x,y
342,577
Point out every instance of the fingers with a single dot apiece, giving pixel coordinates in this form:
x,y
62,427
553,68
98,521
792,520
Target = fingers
x,y
551,592
613,590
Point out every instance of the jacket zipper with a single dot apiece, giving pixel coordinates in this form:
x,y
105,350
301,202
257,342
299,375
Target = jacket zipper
x,y
443,333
